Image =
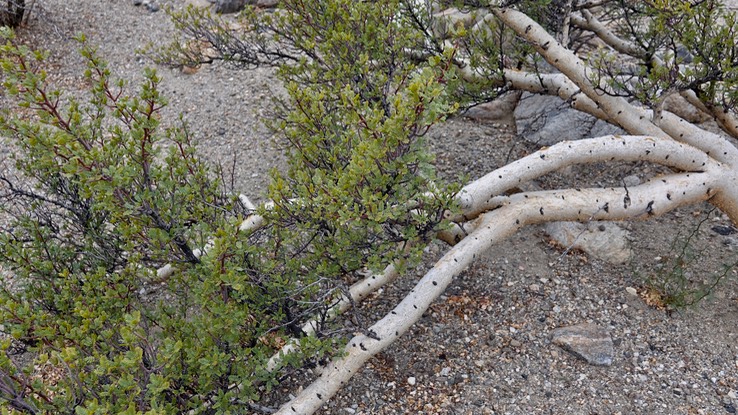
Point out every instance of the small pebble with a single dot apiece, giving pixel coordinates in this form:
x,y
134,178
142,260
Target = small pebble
x,y
411,380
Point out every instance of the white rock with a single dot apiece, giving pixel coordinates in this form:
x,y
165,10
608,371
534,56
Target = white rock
x,y
606,241
411,380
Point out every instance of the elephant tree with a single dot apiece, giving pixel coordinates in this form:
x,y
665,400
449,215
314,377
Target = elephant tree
x,y
365,82
621,61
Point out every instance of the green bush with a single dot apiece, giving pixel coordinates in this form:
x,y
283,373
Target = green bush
x,y
682,278
109,196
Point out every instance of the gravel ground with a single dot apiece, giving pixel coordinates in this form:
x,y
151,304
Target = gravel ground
x,y
484,347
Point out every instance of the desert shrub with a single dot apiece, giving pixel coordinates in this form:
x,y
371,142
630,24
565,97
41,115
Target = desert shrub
x,y
107,196
683,278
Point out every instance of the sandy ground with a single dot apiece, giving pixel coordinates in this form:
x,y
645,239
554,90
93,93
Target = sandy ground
x,y
484,347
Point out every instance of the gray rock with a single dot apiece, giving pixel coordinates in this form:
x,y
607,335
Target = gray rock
x,y
632,180
229,6
444,22
603,240
267,4
233,6
547,120
587,341
501,109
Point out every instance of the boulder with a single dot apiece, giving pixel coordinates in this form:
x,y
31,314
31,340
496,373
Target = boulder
x,y
501,109
230,6
547,120
603,240
234,6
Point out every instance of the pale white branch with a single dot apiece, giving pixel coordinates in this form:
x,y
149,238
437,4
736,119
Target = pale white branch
x,y
653,198
676,127
617,109
358,292
589,22
474,197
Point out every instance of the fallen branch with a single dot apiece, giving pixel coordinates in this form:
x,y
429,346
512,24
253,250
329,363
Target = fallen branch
x,y
644,201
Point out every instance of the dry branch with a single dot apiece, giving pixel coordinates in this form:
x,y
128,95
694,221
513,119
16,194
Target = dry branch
x,y
644,201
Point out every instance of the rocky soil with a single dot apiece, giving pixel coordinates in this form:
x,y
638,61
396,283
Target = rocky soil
x,y
485,347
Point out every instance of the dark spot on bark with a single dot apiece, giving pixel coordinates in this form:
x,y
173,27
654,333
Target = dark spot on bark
x,y
517,221
543,156
606,208
541,210
363,348
435,283
415,307
319,396
649,208
668,196
667,157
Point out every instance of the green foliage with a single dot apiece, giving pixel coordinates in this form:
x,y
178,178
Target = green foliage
x,y
682,46
110,197
682,279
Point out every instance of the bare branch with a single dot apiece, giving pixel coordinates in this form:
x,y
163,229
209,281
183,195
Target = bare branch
x,y
474,197
653,198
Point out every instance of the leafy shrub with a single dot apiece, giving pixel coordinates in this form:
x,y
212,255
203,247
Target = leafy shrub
x,y
682,279
109,196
